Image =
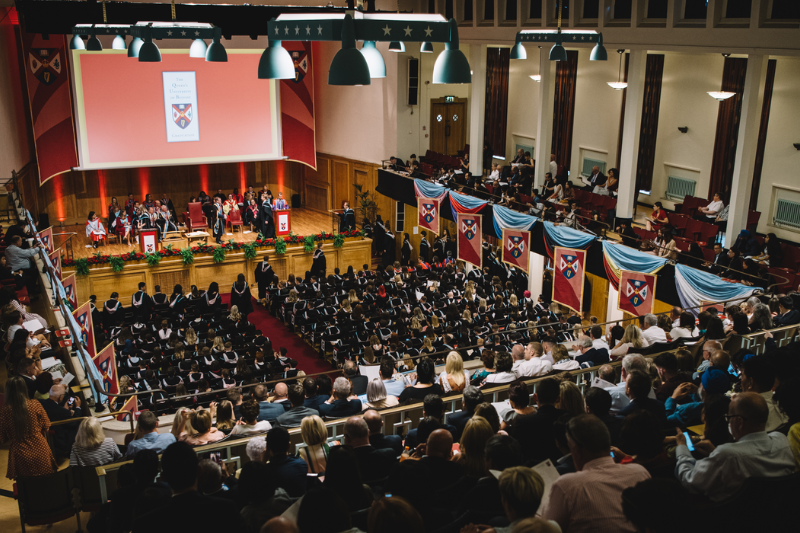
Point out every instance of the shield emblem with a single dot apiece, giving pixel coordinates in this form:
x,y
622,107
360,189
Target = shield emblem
x,y
636,291
300,60
84,333
516,246
45,64
182,115
428,212
569,266
469,228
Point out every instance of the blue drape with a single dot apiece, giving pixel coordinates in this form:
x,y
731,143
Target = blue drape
x,y
566,237
505,218
629,259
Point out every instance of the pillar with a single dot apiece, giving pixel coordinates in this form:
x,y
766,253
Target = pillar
x,y
477,60
544,129
744,161
535,274
629,155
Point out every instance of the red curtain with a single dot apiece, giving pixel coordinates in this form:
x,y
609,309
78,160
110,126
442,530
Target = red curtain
x,y
762,133
727,128
496,113
563,110
651,104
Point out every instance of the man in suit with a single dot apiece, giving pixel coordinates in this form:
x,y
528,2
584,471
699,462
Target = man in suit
x,y
638,388
267,411
377,439
595,179
471,398
535,431
187,509
294,416
590,354
432,406
56,411
438,455
291,470
788,315
311,388
338,405
374,463
721,260
358,382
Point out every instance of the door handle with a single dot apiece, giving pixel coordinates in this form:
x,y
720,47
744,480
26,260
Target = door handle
x,y
447,130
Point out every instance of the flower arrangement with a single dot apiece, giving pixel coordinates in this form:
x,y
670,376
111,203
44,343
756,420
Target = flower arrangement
x,y
153,259
280,246
187,256
117,264
308,244
249,251
219,254
82,266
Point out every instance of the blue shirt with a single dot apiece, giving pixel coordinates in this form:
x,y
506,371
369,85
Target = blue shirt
x,y
151,441
686,414
394,387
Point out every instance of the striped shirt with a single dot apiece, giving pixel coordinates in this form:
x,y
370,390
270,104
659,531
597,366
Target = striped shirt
x,y
591,500
107,452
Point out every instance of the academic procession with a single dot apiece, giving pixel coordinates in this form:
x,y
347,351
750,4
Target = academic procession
x,y
387,267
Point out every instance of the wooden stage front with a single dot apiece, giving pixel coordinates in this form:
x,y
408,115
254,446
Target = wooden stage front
x,y
304,222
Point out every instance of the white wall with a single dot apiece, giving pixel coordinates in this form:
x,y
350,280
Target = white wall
x,y
14,148
413,122
781,159
523,103
356,122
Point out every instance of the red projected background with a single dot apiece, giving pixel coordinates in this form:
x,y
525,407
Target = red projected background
x,y
121,118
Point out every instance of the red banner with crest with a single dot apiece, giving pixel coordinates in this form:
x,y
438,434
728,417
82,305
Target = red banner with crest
x,y
469,238
83,315
55,258
568,276
71,289
46,238
106,363
517,248
428,214
636,292
297,106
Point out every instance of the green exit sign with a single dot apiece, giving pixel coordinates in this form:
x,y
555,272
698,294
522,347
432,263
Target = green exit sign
x,y
449,98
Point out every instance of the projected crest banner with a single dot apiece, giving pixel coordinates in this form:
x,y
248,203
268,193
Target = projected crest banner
x,y
71,290
106,363
636,292
568,277
517,248
297,106
428,214
469,238
83,316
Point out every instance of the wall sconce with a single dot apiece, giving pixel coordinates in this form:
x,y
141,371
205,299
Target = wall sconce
x,y
683,129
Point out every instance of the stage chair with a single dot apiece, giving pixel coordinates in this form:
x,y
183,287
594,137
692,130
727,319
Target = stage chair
x,y
235,219
45,499
111,234
195,219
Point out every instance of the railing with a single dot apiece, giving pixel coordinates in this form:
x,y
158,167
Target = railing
x,y
67,243
104,415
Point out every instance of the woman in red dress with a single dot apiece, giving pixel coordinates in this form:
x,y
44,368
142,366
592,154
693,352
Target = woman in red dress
x,y
659,218
24,423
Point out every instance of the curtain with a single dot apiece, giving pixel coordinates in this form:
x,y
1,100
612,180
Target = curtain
x,y
563,110
496,113
762,133
651,105
622,113
727,128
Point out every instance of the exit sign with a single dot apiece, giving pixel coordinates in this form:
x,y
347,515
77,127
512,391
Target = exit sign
x,y
449,98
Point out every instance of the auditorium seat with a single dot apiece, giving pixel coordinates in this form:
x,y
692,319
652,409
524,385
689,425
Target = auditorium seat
x,y
679,222
708,234
752,221
195,220
235,219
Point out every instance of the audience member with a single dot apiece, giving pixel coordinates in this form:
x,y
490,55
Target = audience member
x,y
148,436
289,470
92,447
535,431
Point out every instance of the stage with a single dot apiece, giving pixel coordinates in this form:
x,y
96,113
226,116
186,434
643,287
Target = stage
x,y
304,222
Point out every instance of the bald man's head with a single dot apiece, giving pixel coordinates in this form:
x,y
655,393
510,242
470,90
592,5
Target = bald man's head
x,y
721,359
440,444
279,524
374,422
518,352
752,407
281,391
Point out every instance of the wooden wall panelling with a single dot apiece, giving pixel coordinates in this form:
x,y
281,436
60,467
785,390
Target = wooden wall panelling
x,y
224,273
599,306
280,267
301,263
341,183
103,285
168,279
412,217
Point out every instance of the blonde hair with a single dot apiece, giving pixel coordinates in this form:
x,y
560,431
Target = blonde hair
x,y
346,306
219,344
633,335
560,353
454,366
313,430
570,399
352,296
473,442
418,314
187,425
408,362
191,336
235,314
415,323
292,296
201,421
224,409
427,343
466,316
435,321
513,300
90,434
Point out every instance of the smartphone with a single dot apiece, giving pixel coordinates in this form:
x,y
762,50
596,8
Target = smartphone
x,y
689,443
71,401
216,457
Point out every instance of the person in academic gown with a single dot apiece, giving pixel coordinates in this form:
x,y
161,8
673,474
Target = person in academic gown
x,y
240,296
267,222
141,303
113,312
406,250
424,247
389,250
347,219
263,277
319,264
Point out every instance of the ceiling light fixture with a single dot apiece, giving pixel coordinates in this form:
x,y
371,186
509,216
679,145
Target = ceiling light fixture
x,y
518,52
119,42
375,62
426,47
397,46
721,95
76,43
619,84
216,53
558,53
348,66
452,66
276,63
198,48
135,46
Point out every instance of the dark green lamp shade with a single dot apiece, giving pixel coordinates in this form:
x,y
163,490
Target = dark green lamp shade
x,y
558,53
149,53
348,68
76,43
426,47
397,46
216,52
198,48
375,62
518,52
136,45
119,43
276,63
599,51
451,67
93,44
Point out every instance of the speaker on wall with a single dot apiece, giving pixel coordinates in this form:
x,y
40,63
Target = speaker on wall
x,y
296,201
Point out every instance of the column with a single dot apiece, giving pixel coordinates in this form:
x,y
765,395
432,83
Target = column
x,y
535,275
744,161
629,155
477,60
544,129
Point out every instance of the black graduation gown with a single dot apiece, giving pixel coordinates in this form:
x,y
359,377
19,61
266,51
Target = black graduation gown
x,y
212,216
424,250
389,250
406,253
319,265
240,297
141,304
267,222
438,249
263,276
113,314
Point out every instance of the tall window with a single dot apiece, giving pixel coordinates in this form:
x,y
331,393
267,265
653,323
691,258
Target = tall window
x,y
738,9
785,9
695,9
564,5
488,9
657,9
511,10
536,9
622,9
468,16
591,9
448,9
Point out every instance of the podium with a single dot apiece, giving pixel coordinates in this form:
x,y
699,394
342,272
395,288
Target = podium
x,y
283,222
148,241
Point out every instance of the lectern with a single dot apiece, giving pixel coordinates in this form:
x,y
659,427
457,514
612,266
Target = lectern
x,y
283,222
148,241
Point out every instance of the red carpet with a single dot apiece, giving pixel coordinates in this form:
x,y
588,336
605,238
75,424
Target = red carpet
x,y
307,358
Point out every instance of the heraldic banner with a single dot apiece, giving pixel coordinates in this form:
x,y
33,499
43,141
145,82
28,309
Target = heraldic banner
x,y
83,316
428,214
297,107
106,363
517,248
55,258
71,290
47,79
568,277
637,292
469,239
46,238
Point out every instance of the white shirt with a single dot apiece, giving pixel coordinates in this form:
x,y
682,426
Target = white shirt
x,y
654,334
535,366
494,176
678,333
248,429
566,364
600,344
548,356
716,207
553,169
501,377
776,416
723,472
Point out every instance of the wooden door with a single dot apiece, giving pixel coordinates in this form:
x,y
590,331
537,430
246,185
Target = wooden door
x,y
448,126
